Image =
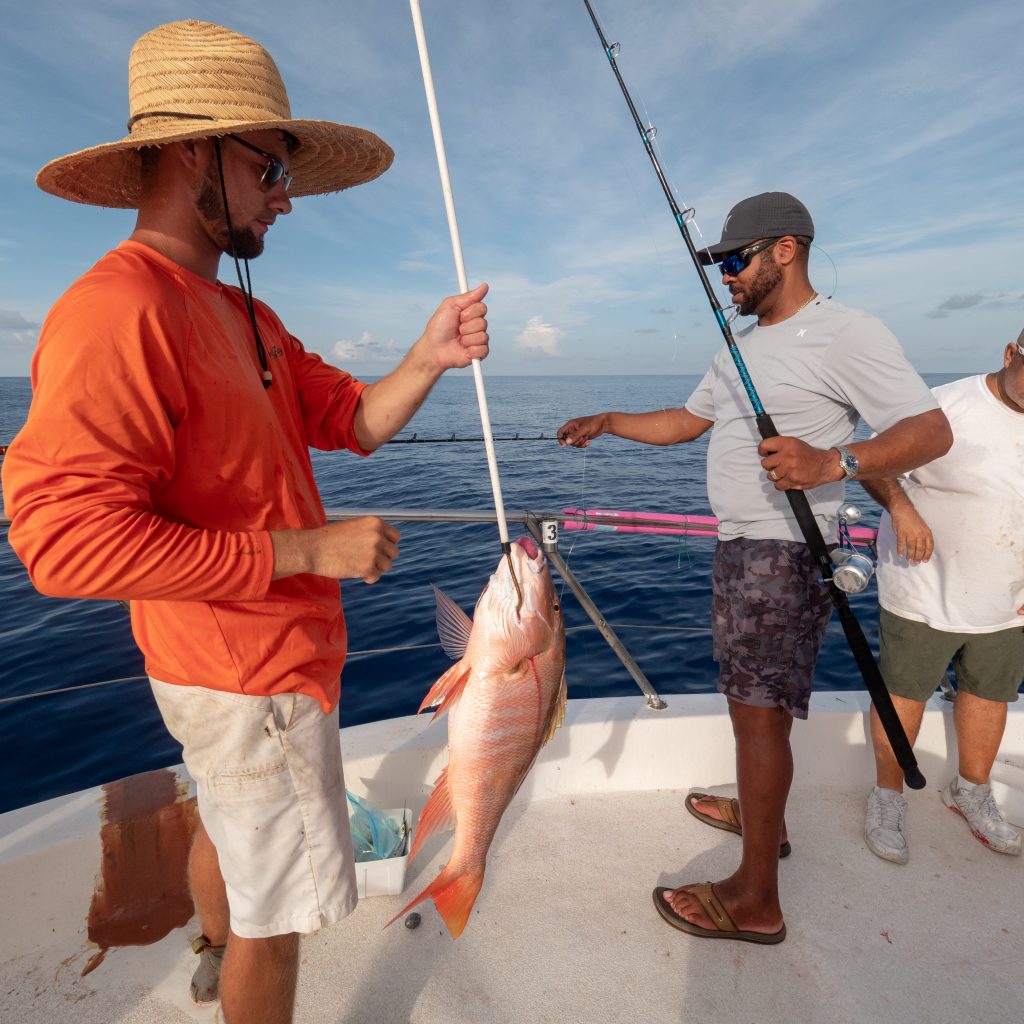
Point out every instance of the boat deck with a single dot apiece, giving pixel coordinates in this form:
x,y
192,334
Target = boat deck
x,y
565,930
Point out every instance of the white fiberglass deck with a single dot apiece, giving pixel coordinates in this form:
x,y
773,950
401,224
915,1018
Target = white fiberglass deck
x,y
564,929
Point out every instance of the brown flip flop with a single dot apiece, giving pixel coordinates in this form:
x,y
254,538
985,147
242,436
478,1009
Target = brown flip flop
x,y
728,807
724,926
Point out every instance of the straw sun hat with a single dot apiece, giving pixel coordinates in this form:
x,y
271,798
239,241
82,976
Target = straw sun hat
x,y
191,80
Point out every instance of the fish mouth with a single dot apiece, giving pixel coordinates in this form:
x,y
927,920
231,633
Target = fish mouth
x,y
521,584
526,558
529,545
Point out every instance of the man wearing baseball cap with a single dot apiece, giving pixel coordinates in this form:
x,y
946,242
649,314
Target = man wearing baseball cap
x,y
165,462
818,367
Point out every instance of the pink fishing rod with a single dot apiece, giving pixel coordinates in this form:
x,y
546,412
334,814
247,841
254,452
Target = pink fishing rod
x,y
618,521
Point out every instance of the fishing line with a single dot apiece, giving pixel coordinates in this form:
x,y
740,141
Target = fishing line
x,y
416,439
683,549
572,545
798,502
349,655
70,689
835,269
567,557
667,273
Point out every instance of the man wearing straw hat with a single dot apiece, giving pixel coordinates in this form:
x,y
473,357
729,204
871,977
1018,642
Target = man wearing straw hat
x,y
165,461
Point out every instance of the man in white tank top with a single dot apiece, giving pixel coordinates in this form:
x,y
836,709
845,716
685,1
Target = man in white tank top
x,y
951,590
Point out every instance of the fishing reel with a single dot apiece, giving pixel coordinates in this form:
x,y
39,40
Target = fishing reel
x,y
851,571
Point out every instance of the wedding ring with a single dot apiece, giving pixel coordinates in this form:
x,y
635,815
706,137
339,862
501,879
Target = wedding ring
x,y
772,475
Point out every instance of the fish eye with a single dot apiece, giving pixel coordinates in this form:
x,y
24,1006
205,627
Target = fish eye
x,y
556,607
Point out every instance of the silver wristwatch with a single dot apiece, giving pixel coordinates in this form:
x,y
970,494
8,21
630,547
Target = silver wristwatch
x,y
848,462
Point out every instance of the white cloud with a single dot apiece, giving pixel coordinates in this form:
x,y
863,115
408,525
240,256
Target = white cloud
x,y
12,320
903,144
367,349
540,337
16,332
978,299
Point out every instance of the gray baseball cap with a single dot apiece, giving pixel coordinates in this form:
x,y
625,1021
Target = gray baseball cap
x,y
768,215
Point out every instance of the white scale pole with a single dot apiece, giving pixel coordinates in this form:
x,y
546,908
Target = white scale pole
x,y
460,267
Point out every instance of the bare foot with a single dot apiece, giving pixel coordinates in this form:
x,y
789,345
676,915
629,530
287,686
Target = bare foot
x,y
751,912
711,807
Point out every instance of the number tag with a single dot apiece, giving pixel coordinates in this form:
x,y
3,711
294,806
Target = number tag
x,y
549,533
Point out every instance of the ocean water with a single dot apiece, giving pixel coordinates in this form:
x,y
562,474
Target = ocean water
x,y
75,708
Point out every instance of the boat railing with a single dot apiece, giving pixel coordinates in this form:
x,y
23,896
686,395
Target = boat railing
x,y
544,527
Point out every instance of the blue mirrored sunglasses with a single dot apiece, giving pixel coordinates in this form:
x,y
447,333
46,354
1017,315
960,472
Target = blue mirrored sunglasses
x,y
275,172
739,261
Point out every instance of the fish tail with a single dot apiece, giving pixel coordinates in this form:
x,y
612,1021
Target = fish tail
x,y
437,816
453,893
455,900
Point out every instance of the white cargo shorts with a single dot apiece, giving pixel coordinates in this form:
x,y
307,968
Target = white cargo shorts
x,y
271,795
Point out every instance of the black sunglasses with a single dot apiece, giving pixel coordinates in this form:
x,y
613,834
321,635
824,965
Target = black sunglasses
x,y
739,261
275,172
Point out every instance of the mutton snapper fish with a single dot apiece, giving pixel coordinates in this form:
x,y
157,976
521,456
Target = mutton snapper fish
x,y
505,698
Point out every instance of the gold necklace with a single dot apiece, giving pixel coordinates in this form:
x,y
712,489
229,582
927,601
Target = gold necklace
x,y
814,295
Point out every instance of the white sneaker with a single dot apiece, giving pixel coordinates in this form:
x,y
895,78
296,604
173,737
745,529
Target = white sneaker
x,y
978,808
883,825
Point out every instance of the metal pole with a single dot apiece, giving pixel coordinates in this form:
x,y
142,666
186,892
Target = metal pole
x,y
654,702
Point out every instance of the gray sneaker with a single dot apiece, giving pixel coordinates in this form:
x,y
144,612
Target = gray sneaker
x,y
883,825
205,987
978,808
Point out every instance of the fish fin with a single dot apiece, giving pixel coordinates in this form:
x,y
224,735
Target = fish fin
x,y
558,709
454,900
437,816
447,690
454,894
453,625
518,644
555,718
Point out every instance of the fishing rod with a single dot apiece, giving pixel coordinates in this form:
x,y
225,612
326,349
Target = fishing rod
x,y
797,499
460,269
416,439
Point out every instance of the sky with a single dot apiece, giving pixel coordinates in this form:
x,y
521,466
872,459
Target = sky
x,y
897,122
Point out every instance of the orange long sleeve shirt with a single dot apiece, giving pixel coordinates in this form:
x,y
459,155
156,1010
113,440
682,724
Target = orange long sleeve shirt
x,y
154,463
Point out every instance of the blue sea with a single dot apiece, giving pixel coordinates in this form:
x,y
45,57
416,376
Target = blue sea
x,y
75,708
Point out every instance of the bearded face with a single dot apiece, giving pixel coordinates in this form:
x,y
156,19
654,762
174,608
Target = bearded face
x,y
767,278
242,242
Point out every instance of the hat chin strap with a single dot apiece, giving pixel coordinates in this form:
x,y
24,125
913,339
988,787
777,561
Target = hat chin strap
x,y
268,377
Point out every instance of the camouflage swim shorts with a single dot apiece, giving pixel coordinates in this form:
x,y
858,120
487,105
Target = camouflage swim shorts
x,y
769,611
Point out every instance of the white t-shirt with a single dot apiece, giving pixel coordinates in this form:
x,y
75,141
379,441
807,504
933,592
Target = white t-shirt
x,y
973,501
816,374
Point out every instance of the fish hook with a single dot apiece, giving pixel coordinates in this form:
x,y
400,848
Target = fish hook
x,y
515,582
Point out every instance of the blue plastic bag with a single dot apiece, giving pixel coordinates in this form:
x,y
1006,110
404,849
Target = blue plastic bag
x,y
374,835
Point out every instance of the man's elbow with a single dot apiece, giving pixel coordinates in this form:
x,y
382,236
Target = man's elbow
x,y
932,437
52,584
52,579
940,433
51,568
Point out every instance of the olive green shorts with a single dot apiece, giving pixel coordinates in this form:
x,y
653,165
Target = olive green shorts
x,y
914,657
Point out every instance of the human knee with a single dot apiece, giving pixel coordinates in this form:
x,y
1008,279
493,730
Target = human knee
x,y
752,718
269,950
